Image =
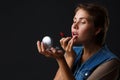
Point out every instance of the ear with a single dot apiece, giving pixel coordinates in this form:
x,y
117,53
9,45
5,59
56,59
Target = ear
x,y
98,30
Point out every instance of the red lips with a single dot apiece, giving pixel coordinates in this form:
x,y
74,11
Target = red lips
x,y
74,34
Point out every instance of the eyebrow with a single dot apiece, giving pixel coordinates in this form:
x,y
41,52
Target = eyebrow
x,y
81,18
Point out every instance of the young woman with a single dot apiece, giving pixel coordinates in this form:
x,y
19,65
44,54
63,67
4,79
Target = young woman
x,y
92,60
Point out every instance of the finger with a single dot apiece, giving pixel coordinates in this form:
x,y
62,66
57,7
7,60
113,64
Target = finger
x,y
61,41
56,53
38,46
48,53
65,41
60,51
70,44
42,50
53,50
42,47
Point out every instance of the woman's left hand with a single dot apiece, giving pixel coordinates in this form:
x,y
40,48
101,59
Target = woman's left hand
x,y
52,52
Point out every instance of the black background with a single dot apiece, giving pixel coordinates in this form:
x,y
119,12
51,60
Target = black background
x,y
23,22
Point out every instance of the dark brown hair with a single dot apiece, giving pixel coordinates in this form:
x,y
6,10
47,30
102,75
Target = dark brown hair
x,y
99,16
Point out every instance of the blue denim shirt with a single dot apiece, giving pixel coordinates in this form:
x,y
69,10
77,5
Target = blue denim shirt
x,y
83,71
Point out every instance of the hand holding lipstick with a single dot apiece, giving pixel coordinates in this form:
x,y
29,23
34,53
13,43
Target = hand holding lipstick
x,y
67,45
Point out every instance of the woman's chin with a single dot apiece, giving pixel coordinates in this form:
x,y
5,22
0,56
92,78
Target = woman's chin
x,y
76,43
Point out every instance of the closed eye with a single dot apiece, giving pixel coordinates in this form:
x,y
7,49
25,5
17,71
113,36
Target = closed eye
x,y
83,22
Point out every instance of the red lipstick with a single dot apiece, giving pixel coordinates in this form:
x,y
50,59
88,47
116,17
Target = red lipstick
x,y
62,34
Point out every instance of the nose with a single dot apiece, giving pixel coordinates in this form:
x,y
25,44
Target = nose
x,y
75,26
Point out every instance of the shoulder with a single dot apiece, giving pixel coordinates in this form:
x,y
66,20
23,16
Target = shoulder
x,y
108,54
113,63
105,70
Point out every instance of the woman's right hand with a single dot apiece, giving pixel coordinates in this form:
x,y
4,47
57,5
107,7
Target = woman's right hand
x,y
67,45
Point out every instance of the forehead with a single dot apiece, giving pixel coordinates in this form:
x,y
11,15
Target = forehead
x,y
82,14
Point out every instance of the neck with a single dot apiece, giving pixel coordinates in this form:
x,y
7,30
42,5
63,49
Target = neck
x,y
91,48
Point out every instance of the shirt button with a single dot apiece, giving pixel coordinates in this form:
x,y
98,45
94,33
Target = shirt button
x,y
86,74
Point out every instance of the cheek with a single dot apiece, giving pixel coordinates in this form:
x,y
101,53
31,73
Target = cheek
x,y
83,31
86,33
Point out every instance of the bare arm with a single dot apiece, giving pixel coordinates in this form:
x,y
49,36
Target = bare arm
x,y
70,61
65,71
107,71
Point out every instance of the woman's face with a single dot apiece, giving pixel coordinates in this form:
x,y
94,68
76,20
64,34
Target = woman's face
x,y
83,27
